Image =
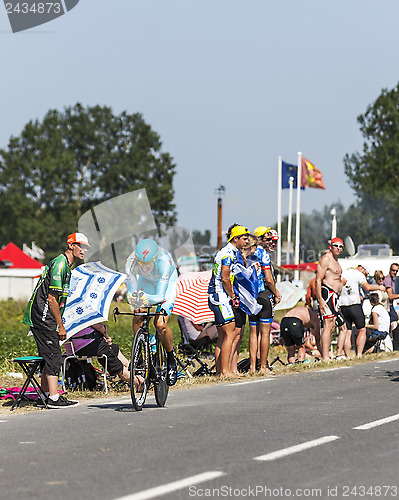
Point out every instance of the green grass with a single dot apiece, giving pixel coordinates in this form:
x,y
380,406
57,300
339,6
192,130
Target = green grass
x,y
15,342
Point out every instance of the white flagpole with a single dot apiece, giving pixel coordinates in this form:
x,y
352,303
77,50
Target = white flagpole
x,y
279,189
298,213
289,227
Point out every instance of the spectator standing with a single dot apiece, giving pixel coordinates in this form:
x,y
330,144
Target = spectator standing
x,y
44,315
379,280
328,288
222,299
268,296
390,288
311,297
250,261
350,303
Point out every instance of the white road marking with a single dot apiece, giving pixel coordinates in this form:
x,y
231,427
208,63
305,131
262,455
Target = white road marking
x,y
376,423
253,381
387,360
295,449
175,486
334,369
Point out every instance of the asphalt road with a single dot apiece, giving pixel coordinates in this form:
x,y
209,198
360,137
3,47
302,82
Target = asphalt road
x,y
300,435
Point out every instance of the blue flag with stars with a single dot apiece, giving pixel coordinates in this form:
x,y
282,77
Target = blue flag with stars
x,y
288,171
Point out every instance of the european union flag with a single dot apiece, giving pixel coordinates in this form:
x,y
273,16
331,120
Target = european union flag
x,y
288,171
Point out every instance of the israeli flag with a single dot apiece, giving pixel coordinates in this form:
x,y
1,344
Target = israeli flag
x,y
246,286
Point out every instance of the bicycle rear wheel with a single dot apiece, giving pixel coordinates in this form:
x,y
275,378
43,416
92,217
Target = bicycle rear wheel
x,y
139,366
161,388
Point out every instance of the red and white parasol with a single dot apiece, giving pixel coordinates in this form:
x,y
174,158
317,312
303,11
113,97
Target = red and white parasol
x,y
192,297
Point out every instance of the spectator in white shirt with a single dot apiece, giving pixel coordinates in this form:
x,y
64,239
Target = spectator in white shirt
x,y
352,311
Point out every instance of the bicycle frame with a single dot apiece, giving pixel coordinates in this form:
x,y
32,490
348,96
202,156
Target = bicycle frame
x,y
153,369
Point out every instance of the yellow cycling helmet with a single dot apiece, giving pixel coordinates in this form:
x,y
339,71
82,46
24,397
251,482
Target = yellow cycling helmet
x,y
261,230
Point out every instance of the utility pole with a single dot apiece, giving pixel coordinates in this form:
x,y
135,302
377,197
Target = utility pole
x,y
220,192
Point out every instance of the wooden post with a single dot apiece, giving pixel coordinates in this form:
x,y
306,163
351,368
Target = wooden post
x,y
220,191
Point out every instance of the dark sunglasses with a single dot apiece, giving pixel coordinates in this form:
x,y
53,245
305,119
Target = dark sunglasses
x,y
337,245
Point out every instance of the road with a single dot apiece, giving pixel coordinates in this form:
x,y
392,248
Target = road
x,y
313,434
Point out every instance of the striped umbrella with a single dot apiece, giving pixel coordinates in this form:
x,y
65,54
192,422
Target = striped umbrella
x,y
192,297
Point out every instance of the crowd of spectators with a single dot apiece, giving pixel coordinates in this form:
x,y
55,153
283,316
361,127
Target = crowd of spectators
x,y
334,303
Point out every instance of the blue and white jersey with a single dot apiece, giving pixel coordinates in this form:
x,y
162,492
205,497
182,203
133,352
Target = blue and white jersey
x,y
227,256
252,259
265,263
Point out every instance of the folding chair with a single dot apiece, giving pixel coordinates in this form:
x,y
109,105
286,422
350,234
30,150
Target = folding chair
x,y
29,365
192,351
71,354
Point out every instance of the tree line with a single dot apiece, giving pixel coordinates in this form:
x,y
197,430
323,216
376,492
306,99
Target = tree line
x,y
74,159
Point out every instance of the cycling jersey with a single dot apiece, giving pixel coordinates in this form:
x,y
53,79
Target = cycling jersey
x,y
227,256
55,278
159,285
260,255
266,263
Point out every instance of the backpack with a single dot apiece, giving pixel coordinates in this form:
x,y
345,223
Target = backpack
x,y
80,375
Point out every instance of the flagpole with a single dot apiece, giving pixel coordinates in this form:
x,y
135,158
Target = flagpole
x,y
298,213
289,226
279,191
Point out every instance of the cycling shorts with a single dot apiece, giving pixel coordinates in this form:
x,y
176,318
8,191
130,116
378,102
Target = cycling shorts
x,y
266,314
353,315
330,298
48,346
240,317
223,311
292,331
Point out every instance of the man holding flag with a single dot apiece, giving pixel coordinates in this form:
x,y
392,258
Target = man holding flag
x,y
223,298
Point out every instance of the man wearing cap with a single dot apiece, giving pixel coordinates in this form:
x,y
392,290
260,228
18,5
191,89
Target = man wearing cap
x,y
222,298
268,296
328,288
44,315
352,310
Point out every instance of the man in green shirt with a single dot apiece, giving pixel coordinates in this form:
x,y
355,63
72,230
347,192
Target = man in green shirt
x,y
44,315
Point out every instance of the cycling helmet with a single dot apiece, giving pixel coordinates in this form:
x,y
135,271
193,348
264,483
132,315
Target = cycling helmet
x,y
146,250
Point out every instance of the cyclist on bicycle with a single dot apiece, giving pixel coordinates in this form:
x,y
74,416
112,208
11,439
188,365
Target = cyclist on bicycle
x,y
152,278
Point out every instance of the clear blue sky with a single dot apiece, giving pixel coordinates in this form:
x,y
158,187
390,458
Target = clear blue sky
x,y
228,84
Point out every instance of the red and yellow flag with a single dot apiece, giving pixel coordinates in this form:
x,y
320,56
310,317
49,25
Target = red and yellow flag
x,y
311,176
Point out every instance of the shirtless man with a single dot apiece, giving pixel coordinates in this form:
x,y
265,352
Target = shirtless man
x,y
328,288
292,329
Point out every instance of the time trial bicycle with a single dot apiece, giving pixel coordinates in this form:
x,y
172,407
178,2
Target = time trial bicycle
x,y
147,360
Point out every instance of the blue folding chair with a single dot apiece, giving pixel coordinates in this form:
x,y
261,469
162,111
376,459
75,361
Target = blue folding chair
x,y
29,364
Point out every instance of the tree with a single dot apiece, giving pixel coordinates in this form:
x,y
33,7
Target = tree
x,y
201,238
374,173
61,167
356,222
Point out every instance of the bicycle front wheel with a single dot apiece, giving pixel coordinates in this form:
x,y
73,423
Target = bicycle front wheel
x,y
161,388
140,368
